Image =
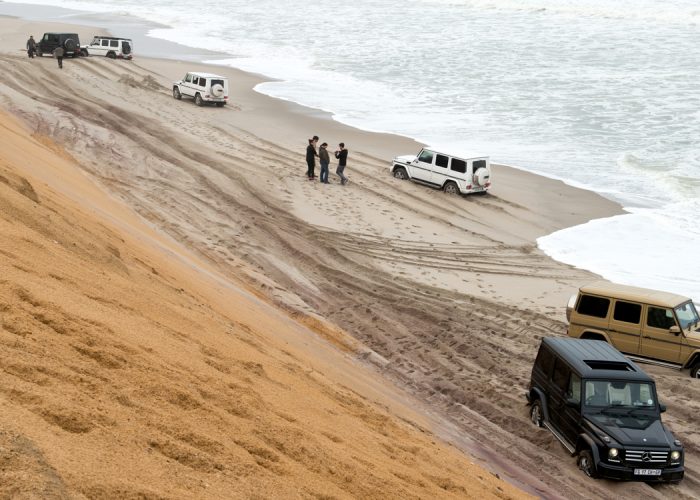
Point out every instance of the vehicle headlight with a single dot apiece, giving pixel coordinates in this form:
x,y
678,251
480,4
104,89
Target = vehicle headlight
x,y
613,453
675,455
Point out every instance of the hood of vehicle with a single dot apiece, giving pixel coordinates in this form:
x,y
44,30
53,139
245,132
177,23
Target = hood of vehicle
x,y
632,430
405,158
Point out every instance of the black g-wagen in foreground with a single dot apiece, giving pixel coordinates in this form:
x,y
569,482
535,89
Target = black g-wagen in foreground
x,y
603,408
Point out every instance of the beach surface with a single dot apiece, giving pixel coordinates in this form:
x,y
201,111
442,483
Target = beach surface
x,y
178,296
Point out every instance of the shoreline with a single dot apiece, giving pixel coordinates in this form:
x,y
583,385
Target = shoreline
x,y
463,307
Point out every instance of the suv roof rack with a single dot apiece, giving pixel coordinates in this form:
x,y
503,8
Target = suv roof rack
x,y
111,37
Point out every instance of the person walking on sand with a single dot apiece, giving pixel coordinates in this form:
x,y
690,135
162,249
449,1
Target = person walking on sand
x,y
31,47
324,159
311,157
58,54
342,155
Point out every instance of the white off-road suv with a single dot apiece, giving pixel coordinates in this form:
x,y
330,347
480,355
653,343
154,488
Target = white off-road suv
x,y
203,88
453,174
109,46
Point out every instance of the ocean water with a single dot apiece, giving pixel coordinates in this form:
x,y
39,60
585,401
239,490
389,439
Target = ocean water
x,y
601,94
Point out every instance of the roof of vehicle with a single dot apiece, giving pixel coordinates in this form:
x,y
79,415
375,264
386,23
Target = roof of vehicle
x,y
60,33
595,359
206,75
634,294
111,38
456,153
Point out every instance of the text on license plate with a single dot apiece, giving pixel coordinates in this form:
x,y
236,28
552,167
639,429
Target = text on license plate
x,y
647,472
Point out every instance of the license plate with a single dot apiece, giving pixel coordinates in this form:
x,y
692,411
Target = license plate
x,y
647,472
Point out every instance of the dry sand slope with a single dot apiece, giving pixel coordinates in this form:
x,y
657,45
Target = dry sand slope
x,y
450,296
129,370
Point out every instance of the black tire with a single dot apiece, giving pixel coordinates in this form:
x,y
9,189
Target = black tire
x,y
536,413
400,173
587,464
84,53
176,93
695,369
70,45
39,53
112,55
451,188
198,100
220,104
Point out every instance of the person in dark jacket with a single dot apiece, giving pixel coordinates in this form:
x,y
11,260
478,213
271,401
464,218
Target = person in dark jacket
x,y
311,157
324,159
31,46
58,54
342,155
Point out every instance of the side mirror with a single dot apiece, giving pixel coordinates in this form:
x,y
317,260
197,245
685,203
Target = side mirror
x,y
662,408
675,329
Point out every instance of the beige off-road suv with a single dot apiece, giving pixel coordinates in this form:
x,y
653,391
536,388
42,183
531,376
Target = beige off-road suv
x,y
651,326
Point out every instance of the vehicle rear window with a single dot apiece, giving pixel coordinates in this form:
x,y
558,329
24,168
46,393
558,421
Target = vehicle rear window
x,y
441,161
215,82
660,318
627,312
593,306
477,164
459,166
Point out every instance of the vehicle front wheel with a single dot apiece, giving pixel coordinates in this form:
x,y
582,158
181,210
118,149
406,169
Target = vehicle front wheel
x,y
198,100
176,93
451,188
84,52
536,413
400,173
587,464
695,369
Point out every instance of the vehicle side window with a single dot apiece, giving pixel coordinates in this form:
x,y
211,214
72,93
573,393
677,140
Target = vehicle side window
x,y
188,78
114,43
105,43
441,161
574,391
593,306
426,157
203,82
627,312
560,377
660,318
545,361
459,166
477,164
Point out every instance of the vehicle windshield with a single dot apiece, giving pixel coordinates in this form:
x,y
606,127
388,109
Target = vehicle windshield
x,y
604,394
687,315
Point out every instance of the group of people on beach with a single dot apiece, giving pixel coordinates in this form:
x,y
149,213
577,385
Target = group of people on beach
x,y
58,52
341,155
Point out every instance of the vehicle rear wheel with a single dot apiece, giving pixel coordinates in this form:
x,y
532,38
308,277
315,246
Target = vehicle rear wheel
x,y
695,369
198,100
400,173
592,336
451,188
112,55
176,93
587,464
39,53
536,413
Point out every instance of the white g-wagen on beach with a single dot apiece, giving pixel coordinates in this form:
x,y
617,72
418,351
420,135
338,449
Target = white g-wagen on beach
x,y
453,174
109,46
202,87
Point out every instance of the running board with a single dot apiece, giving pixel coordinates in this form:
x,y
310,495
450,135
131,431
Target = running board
x,y
654,362
563,441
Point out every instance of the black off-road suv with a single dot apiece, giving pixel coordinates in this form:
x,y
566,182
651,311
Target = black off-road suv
x,y
603,408
69,41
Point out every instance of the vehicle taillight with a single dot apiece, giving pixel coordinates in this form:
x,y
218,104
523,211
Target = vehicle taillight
x,y
488,184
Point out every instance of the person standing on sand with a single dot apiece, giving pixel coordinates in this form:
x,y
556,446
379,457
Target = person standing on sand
x,y
311,157
58,54
342,155
31,46
324,159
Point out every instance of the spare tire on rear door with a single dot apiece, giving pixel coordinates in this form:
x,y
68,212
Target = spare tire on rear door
x,y
481,177
69,44
217,90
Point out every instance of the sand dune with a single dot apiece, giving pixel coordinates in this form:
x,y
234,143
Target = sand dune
x,y
446,297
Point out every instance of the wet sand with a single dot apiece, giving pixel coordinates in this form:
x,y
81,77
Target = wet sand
x,y
445,298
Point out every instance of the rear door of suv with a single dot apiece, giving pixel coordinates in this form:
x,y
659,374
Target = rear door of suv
x,y
625,326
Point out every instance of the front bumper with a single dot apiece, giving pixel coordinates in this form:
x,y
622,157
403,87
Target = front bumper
x,y
625,473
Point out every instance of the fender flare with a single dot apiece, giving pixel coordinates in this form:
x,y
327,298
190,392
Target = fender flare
x,y
597,332
535,393
584,438
694,358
